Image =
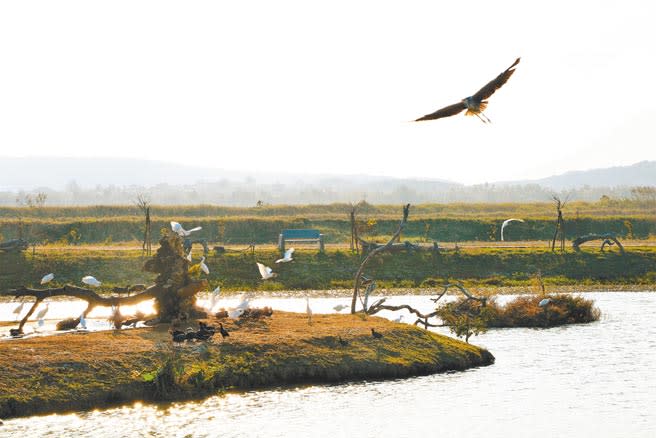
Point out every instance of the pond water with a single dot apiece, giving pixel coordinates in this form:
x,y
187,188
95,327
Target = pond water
x,y
592,380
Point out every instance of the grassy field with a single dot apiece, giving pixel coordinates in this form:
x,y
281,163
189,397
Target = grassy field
x,y
261,225
475,265
113,367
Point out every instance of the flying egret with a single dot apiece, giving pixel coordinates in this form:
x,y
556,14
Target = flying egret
x,y
91,281
177,228
203,266
340,307
265,271
506,222
47,278
476,104
544,302
287,257
308,309
41,314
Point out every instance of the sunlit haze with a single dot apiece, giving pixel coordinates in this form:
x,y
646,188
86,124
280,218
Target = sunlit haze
x,y
331,87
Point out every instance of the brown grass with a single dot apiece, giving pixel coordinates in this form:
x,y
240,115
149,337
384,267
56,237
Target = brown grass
x,y
85,370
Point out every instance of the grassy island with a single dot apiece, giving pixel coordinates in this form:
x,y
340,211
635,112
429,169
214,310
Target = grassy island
x,y
86,370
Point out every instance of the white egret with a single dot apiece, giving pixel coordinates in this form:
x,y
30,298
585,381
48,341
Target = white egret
x,y
399,318
83,321
91,281
203,266
265,271
41,314
544,302
17,311
308,309
47,278
340,307
506,222
235,313
287,257
244,303
177,228
215,297
189,256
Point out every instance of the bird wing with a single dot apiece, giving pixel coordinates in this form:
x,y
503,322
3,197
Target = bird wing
x,y
194,229
289,252
205,269
447,111
176,227
262,269
496,83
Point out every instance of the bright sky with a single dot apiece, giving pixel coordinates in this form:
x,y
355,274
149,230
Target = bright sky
x,y
330,87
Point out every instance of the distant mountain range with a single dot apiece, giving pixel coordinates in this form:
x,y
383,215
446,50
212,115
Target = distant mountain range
x,y
83,181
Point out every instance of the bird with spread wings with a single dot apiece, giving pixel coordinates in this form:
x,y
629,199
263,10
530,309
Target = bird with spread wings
x,y
477,103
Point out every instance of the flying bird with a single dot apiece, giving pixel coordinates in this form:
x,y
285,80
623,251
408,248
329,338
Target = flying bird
x,y
177,228
265,271
475,104
47,278
506,222
287,257
91,281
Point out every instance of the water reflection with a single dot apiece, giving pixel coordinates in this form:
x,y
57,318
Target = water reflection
x,y
593,380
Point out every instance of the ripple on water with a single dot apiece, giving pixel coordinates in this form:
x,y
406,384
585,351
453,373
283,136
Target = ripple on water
x,y
586,380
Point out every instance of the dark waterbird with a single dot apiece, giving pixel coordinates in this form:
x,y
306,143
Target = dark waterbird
x,y
224,332
179,336
375,334
342,342
475,104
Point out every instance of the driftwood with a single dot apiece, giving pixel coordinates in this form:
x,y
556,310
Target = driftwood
x,y
421,317
358,275
14,245
93,299
608,239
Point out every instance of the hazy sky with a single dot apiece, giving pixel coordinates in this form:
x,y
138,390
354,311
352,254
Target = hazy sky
x,y
331,86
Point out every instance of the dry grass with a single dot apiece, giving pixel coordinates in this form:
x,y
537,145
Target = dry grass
x,y
78,371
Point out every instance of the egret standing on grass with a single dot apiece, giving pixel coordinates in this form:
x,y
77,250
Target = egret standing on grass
x,y
475,104
265,271
308,309
91,281
177,228
506,222
47,278
17,311
287,257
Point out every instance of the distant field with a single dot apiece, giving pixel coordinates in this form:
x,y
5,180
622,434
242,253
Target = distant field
x,y
107,226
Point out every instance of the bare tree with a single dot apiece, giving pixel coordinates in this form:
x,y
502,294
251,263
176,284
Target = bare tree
x,y
559,232
143,202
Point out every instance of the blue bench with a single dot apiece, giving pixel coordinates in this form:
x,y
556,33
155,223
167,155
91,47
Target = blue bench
x,y
300,235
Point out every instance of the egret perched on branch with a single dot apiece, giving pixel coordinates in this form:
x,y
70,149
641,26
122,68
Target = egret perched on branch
x,y
475,104
203,266
265,271
287,257
47,278
198,267
506,222
91,281
177,228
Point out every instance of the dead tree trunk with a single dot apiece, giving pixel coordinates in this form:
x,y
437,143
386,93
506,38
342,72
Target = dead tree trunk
x,y
358,275
173,291
559,232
